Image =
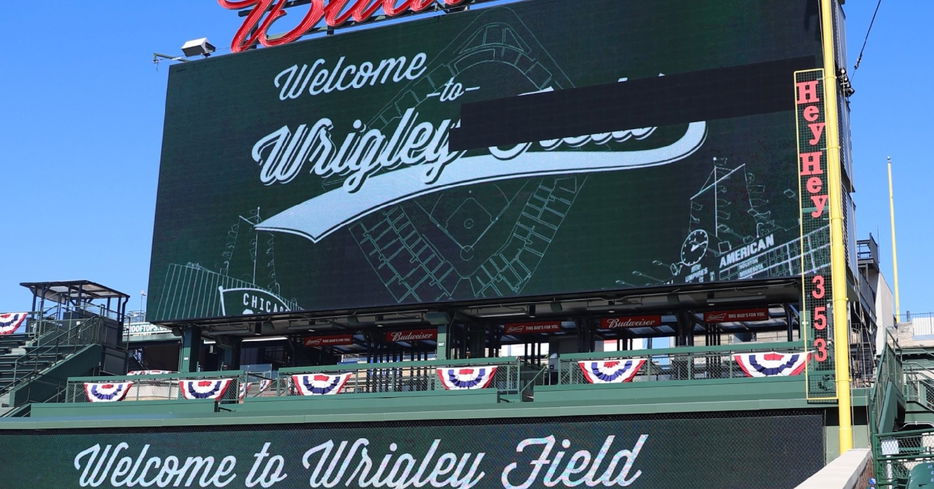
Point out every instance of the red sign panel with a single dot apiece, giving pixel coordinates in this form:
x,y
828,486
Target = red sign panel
x,y
736,315
332,340
533,327
411,335
631,322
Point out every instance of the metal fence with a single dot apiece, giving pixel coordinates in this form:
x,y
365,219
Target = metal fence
x,y
512,376
83,331
158,386
688,363
902,457
922,324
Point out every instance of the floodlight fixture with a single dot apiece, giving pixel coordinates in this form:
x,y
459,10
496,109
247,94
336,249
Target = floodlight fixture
x,y
195,47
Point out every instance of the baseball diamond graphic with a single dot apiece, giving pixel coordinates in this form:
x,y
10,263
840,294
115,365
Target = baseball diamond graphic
x,y
191,290
479,241
732,233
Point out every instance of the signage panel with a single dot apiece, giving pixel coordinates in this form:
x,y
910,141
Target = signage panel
x,y
631,321
411,335
319,176
649,452
736,315
816,284
532,327
330,340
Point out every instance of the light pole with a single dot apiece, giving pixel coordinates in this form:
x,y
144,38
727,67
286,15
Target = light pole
x,y
894,252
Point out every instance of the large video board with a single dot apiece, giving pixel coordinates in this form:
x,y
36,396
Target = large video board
x,y
321,175
776,451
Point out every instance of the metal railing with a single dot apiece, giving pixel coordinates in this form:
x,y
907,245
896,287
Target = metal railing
x,y
64,331
158,386
919,385
686,363
53,345
512,377
888,373
922,324
898,456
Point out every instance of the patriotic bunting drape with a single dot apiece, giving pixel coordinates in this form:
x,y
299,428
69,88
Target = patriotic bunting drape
x,y
320,384
245,387
107,391
771,364
10,321
204,389
610,371
459,378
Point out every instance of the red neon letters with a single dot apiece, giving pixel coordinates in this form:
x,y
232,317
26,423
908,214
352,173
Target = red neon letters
x,y
334,13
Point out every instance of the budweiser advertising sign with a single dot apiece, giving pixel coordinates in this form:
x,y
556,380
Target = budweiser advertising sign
x,y
736,315
411,335
631,322
332,340
333,13
533,327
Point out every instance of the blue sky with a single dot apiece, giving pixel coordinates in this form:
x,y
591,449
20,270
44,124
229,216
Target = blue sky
x,y
81,133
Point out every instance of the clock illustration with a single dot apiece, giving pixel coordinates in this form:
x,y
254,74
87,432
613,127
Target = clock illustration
x,y
694,247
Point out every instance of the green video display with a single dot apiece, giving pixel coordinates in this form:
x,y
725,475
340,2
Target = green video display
x,y
732,450
319,175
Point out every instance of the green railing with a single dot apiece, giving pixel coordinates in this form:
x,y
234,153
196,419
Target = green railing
x,y
684,363
51,346
896,456
159,386
901,459
889,377
512,378
65,331
919,384
512,375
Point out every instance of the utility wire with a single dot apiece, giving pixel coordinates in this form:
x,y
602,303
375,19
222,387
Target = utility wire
x,y
866,39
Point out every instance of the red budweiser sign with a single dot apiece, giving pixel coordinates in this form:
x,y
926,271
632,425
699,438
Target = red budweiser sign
x,y
334,13
631,322
411,335
736,315
337,339
533,327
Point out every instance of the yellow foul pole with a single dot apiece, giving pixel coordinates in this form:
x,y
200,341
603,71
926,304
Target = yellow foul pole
x,y
898,311
841,317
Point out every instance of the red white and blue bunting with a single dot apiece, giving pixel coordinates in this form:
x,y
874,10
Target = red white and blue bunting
x,y
610,371
466,377
150,372
107,391
771,364
263,385
320,384
204,389
10,321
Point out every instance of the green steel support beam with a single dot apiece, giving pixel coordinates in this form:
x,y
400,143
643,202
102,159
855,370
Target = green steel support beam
x,y
191,348
442,348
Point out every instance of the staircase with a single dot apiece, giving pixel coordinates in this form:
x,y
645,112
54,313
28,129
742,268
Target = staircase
x,y
903,455
35,368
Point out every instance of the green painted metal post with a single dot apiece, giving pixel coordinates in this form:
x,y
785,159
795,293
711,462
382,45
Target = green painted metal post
x,y
191,348
230,352
441,352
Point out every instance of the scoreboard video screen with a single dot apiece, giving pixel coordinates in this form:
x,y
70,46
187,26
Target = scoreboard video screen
x,y
354,170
